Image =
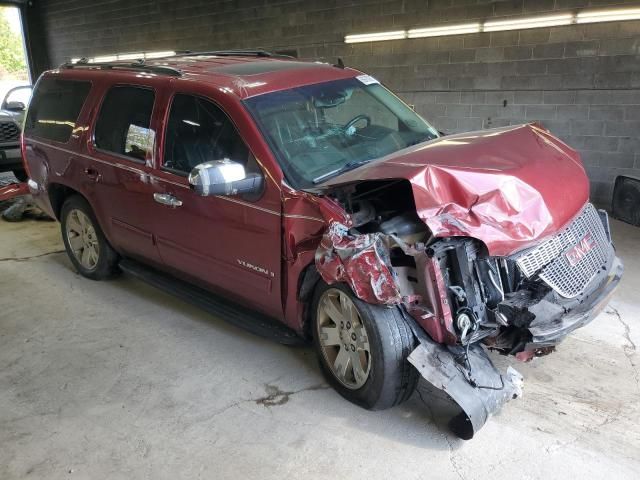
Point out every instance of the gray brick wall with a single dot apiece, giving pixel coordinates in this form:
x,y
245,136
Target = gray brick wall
x,y
581,81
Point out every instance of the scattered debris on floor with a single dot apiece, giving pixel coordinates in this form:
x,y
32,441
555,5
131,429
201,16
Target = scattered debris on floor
x,y
15,205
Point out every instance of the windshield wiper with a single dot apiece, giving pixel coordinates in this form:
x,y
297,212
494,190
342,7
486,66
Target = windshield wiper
x,y
345,168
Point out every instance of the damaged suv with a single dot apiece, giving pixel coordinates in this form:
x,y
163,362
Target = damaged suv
x,y
312,194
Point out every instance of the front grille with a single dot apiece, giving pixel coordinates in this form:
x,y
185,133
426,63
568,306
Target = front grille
x,y
551,261
9,132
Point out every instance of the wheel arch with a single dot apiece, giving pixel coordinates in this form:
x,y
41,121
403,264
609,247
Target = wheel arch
x,y
307,283
58,193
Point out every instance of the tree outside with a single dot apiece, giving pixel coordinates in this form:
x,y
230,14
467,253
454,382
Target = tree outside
x,y
13,65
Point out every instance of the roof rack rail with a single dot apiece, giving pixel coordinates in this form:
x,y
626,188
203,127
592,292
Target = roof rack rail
x,y
136,66
230,53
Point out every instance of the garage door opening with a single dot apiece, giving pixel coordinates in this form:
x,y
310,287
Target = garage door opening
x,y
13,62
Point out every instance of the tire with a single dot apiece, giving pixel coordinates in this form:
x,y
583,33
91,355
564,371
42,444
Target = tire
x,y
21,175
79,221
390,379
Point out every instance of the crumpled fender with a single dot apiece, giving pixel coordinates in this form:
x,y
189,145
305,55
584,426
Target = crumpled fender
x,y
361,261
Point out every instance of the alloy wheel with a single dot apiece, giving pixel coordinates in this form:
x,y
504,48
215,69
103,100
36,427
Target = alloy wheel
x,y
82,239
343,339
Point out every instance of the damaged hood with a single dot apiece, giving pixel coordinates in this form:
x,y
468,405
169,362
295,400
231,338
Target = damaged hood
x,y
508,187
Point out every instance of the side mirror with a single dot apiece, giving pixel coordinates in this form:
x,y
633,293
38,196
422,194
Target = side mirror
x,y
223,177
17,98
15,106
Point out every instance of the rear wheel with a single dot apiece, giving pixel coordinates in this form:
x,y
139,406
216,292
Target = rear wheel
x,y
363,348
84,241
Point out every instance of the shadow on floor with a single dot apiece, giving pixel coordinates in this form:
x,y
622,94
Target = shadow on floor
x,y
420,422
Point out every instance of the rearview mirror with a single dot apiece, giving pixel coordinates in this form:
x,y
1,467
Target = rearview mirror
x,y
330,101
223,177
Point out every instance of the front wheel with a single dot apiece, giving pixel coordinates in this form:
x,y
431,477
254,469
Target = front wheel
x,y
84,241
363,348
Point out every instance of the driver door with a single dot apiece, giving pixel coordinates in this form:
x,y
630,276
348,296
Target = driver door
x,y
228,243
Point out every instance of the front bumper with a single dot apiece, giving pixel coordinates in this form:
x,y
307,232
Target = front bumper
x,y
10,157
480,392
469,377
549,331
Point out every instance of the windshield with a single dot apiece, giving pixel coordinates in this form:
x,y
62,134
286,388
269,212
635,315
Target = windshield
x,y
319,131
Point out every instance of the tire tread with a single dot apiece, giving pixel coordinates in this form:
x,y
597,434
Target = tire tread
x,y
397,378
108,262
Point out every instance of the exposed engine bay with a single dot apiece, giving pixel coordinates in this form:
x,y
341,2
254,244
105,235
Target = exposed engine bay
x,y
452,289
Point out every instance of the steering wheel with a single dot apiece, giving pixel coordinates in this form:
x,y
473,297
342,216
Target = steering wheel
x,y
351,123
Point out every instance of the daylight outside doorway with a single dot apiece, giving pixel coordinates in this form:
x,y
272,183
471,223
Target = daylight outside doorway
x,y
13,64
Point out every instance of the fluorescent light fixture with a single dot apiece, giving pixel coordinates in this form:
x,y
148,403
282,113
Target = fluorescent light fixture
x,y
375,37
515,23
529,22
593,16
104,58
444,30
168,53
130,56
127,56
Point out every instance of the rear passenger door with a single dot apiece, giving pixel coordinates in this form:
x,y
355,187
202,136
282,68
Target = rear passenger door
x,y
231,243
122,149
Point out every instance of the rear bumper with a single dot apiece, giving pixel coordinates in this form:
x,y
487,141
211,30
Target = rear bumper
x,y
40,197
13,190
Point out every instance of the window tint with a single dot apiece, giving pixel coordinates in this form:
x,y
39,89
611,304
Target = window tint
x,y
55,108
123,125
198,132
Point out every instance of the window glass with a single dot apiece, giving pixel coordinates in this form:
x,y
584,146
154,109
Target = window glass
x,y
55,108
360,103
197,132
123,125
322,130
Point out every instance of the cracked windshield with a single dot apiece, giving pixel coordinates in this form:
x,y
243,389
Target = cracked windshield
x,y
320,131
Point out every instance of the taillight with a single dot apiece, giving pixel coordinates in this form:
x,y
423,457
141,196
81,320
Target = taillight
x,y
23,153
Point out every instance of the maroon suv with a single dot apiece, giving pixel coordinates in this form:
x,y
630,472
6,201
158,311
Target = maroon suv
x,y
305,200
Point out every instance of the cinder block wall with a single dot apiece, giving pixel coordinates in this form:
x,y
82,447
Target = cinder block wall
x,y
582,82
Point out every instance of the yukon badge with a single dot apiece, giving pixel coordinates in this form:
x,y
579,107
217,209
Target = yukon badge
x,y
255,268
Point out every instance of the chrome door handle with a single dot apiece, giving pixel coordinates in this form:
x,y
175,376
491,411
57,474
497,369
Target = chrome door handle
x,y
167,199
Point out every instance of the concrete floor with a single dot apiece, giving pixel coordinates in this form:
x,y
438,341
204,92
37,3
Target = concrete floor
x,y
117,380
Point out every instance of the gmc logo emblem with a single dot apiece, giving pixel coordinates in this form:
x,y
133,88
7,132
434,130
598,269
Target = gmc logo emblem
x,y
576,253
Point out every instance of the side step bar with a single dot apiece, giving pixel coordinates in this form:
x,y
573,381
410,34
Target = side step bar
x,y
252,321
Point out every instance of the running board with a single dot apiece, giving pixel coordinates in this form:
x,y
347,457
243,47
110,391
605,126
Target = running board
x,y
250,320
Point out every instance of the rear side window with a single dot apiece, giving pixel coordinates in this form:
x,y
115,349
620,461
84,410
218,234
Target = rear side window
x,y
55,107
123,125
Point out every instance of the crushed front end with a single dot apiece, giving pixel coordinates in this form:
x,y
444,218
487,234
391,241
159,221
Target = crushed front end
x,y
459,299
527,303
